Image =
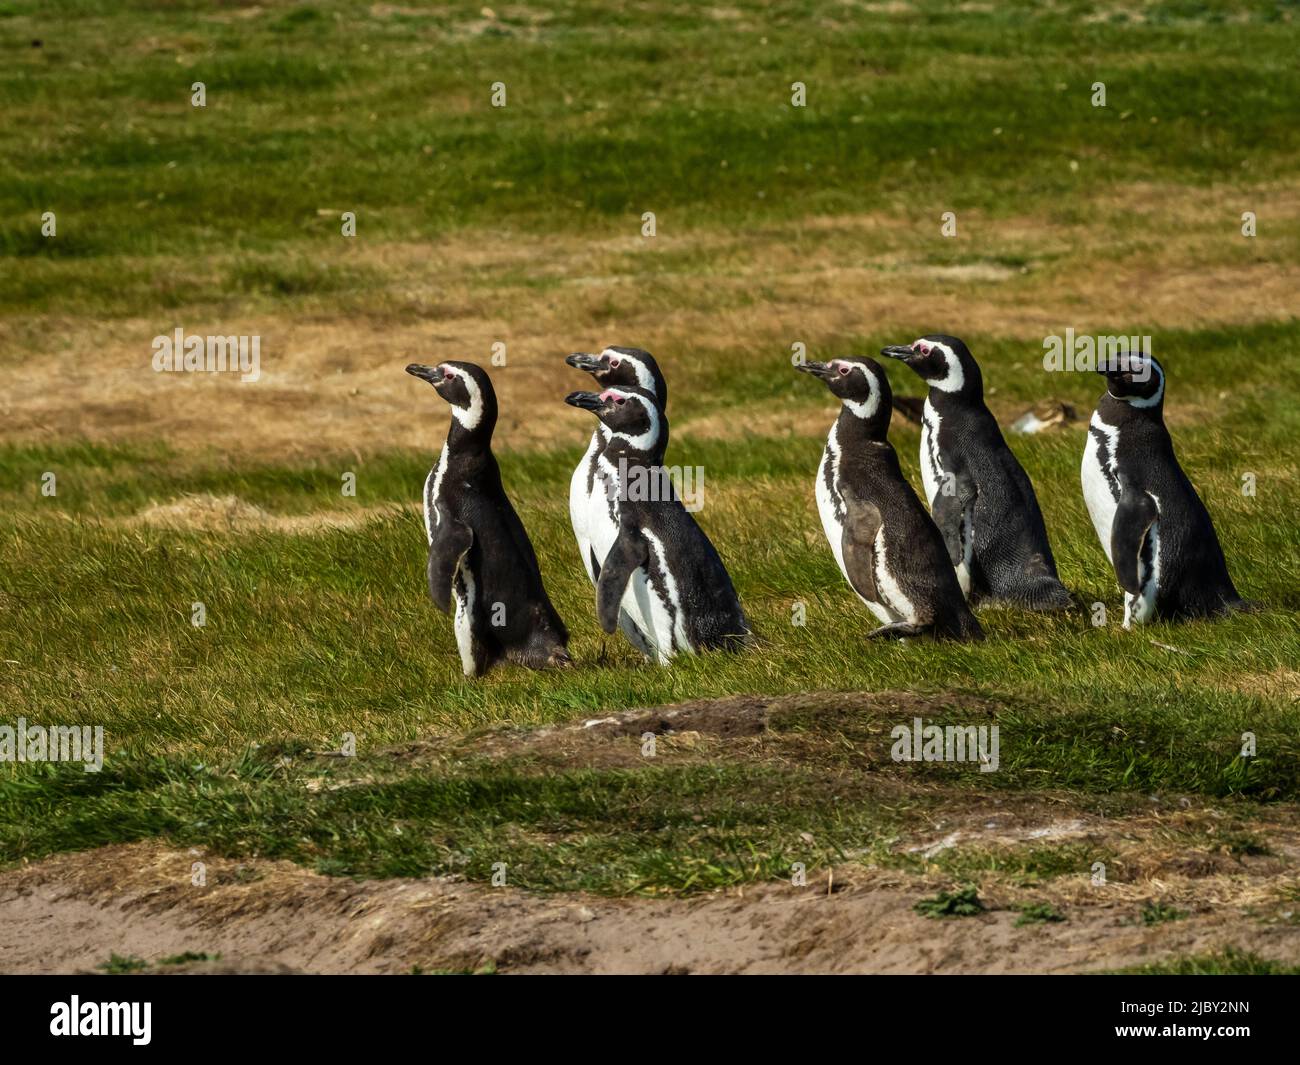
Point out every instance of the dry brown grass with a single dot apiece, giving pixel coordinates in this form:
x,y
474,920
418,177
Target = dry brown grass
x,y
335,381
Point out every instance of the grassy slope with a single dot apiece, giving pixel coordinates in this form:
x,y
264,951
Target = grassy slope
x,y
309,637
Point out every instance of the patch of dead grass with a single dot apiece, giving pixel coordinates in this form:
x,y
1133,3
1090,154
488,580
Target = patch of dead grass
x,y
335,382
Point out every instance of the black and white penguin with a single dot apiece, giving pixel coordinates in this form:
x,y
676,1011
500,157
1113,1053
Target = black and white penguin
x,y
482,565
661,570
593,501
979,494
887,546
593,488
1152,525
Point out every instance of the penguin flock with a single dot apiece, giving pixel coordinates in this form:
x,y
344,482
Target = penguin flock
x,y
660,581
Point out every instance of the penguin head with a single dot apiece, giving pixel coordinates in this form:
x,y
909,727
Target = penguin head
x,y
861,385
619,367
1134,378
632,415
466,387
943,362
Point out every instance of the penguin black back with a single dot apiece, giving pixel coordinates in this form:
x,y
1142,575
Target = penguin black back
x,y
887,546
481,562
593,502
979,494
1151,521
662,567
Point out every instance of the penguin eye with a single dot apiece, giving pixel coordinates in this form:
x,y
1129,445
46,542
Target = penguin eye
x,y
844,371
619,400
922,347
613,364
448,376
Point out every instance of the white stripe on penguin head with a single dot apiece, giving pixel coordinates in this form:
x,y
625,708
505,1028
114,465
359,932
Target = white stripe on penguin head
x,y
650,437
863,408
644,378
1157,395
955,378
470,416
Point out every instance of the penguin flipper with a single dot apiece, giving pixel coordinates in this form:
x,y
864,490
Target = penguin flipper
x,y
1134,516
858,544
451,542
629,553
952,512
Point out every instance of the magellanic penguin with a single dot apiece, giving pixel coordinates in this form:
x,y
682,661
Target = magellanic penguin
x,y
593,488
1152,525
661,570
979,494
887,547
482,566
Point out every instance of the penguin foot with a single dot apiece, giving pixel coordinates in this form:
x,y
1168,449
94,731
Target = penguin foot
x,y
543,658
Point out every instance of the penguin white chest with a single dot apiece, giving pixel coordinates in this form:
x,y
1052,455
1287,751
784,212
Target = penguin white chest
x,y
580,505
932,472
599,520
829,504
602,508
432,486
1100,477
933,478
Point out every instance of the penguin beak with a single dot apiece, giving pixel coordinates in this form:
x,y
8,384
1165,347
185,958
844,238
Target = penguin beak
x,y
581,361
425,373
898,351
817,369
585,400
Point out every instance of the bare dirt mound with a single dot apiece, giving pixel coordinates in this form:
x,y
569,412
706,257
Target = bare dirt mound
x,y
70,913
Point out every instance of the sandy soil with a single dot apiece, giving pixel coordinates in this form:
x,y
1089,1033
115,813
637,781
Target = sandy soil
x,y
69,913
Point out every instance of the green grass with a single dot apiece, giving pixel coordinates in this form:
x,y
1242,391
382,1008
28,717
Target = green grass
x,y
961,903
1039,913
118,965
185,957
610,113
169,213
1158,913
1230,962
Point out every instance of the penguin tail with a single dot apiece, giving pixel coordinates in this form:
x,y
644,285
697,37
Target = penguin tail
x,y
1046,596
